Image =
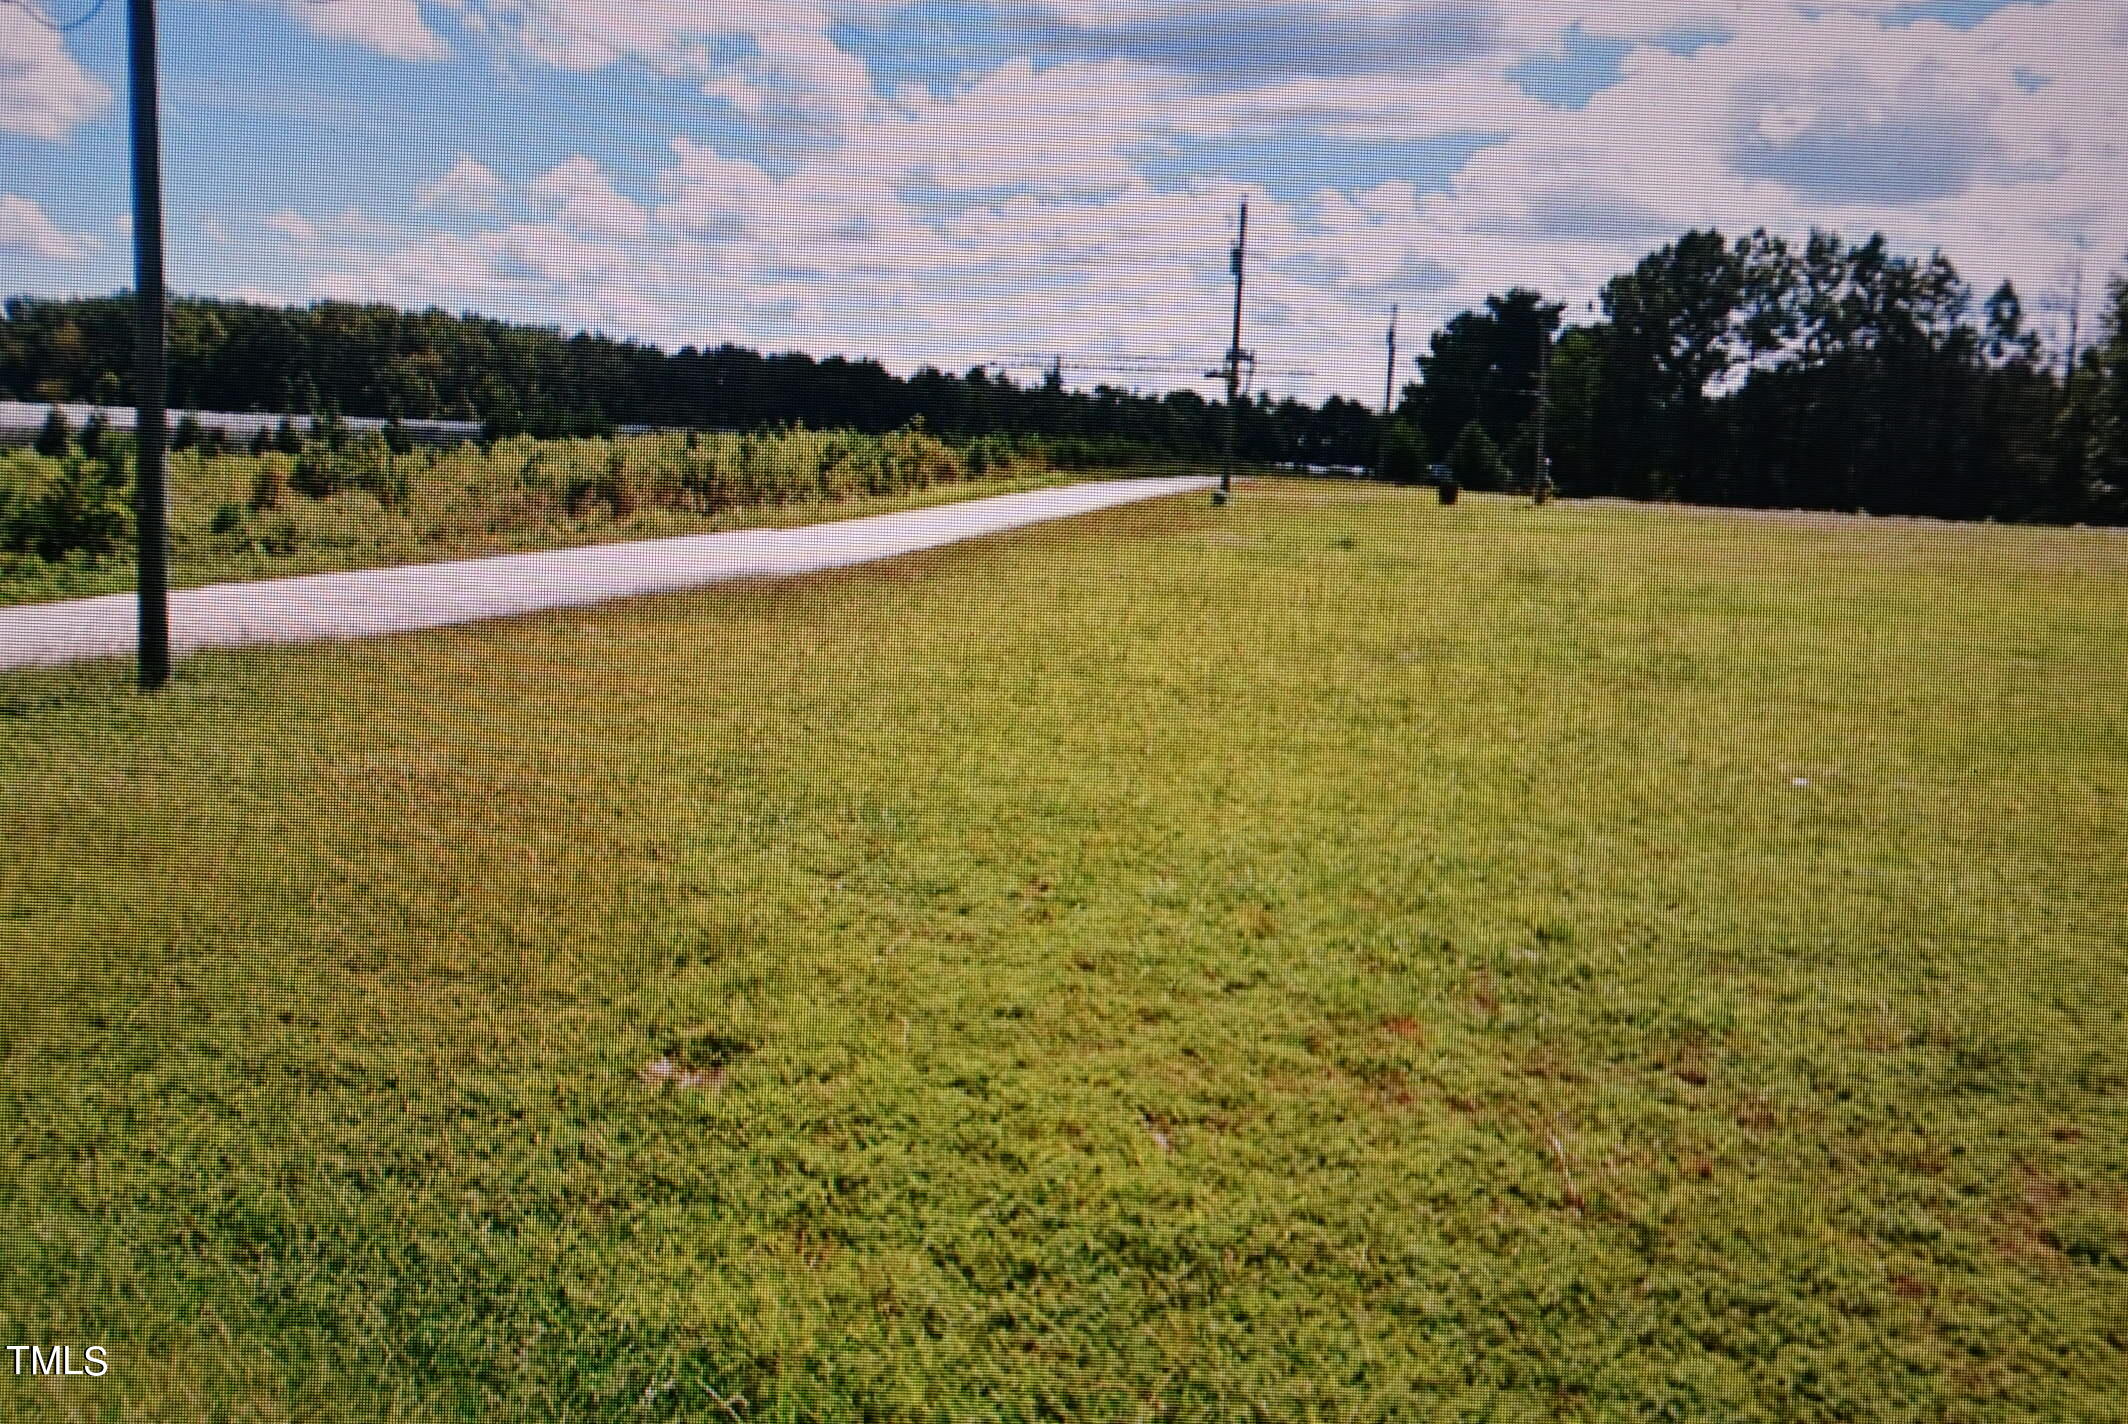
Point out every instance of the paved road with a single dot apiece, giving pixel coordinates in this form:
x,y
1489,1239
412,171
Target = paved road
x,y
372,601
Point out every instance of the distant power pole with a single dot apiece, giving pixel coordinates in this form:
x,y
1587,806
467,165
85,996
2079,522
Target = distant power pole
x,y
151,502
1235,356
1381,452
2076,316
1389,377
1541,481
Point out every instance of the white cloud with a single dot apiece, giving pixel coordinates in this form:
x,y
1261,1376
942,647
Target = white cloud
x,y
390,27
710,194
293,226
348,228
585,200
1013,210
796,78
468,186
25,228
773,61
43,92
1064,133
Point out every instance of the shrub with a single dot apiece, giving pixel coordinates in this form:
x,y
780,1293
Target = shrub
x,y
990,454
279,537
617,488
16,471
1475,461
314,475
329,427
918,460
396,489
83,509
269,483
1403,454
57,437
366,463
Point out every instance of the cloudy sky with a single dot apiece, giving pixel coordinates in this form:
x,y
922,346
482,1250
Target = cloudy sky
x,y
955,180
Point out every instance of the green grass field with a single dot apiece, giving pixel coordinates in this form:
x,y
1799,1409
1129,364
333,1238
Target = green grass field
x,y
1332,958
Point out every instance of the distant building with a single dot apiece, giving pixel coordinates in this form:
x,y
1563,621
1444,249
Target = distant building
x,y
21,420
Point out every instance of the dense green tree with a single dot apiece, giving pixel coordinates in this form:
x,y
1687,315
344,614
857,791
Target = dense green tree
x,y
1572,437
1403,454
1670,335
2106,486
1475,461
1482,366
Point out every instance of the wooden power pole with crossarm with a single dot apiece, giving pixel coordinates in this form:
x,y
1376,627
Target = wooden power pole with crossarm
x,y
1235,357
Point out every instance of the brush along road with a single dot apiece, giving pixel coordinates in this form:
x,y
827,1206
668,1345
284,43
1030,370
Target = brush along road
x,y
398,600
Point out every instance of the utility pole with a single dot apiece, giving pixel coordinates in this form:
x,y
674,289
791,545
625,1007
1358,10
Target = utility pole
x,y
1381,451
1541,481
1235,356
2076,315
1389,377
151,501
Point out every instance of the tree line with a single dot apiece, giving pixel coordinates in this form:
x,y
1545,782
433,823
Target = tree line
x,y
1751,371
375,360
1758,373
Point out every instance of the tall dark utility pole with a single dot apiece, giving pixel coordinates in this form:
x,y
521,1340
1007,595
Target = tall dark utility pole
x,y
1381,447
1389,378
1541,480
1235,356
2076,318
151,503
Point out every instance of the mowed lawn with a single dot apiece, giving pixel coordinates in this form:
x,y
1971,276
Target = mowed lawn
x,y
1332,958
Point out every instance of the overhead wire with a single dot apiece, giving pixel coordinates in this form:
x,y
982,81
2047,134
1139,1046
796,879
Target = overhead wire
x,y
96,8
1112,256
57,26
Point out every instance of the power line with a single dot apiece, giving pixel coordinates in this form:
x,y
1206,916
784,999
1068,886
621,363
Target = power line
x,y
1144,368
57,27
96,8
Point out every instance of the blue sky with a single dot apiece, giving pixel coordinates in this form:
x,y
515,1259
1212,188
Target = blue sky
x,y
949,180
